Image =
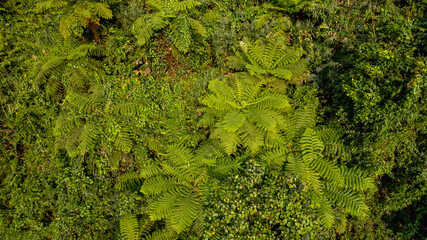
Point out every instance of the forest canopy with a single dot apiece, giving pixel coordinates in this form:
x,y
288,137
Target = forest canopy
x,y
202,119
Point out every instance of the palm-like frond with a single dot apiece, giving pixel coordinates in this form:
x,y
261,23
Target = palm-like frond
x,y
129,227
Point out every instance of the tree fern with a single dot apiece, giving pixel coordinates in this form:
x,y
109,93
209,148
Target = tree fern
x,y
176,186
271,57
100,122
70,70
174,14
244,113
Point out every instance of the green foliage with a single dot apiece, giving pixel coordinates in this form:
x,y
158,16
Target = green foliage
x,y
100,122
272,156
261,203
71,68
176,15
271,58
129,227
243,112
83,14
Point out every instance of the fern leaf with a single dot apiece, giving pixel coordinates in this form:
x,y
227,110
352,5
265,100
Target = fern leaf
x,y
253,91
101,10
275,157
159,184
272,101
180,33
216,103
328,170
225,165
180,155
252,137
184,5
198,27
325,211
262,20
128,180
222,90
187,209
210,149
163,206
233,120
144,28
129,227
296,165
149,171
123,140
352,202
164,234
263,119
229,140
89,137
65,27
354,179
50,4
281,73
311,147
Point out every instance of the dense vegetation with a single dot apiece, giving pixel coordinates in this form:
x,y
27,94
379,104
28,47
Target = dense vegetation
x,y
200,119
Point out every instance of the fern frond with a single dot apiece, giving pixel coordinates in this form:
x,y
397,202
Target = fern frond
x,y
164,234
303,118
229,140
252,137
275,157
159,184
208,118
180,33
198,27
296,165
123,140
128,180
271,101
216,103
50,4
281,73
129,227
144,28
66,123
89,137
210,149
328,170
65,27
180,174
331,140
263,119
127,109
185,5
352,202
225,165
325,211
114,159
233,120
222,90
102,10
354,179
253,91
311,147
180,155
55,87
163,206
150,170
262,20
187,209
49,67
